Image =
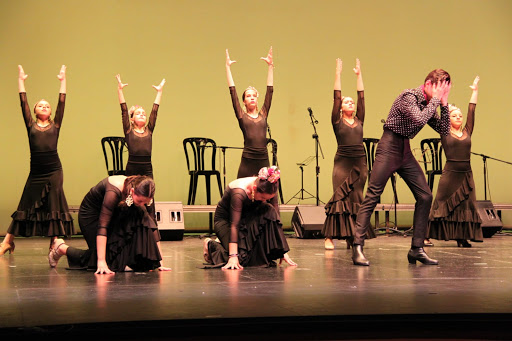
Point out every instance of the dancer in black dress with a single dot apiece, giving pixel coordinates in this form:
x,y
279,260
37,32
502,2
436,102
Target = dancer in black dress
x,y
247,224
43,209
454,214
252,120
117,228
139,135
410,112
350,170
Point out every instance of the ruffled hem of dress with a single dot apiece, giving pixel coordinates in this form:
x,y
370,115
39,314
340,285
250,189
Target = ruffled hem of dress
x,y
447,209
36,222
339,201
453,230
342,226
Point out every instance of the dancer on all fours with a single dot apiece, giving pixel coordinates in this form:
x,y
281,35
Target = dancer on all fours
x,y
138,133
252,120
247,224
454,215
410,112
350,170
120,234
43,209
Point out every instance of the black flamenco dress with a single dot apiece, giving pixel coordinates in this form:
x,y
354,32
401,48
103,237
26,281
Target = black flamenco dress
x,y
454,214
255,226
43,209
132,235
140,147
255,154
349,173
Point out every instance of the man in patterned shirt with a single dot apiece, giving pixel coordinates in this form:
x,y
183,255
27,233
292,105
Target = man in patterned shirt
x,y
412,109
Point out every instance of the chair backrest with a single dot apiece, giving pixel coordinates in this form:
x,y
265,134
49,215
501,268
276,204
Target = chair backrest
x,y
370,146
434,149
201,149
114,156
273,146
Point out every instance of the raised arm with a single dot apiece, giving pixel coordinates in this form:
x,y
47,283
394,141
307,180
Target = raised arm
x,y
336,106
470,119
125,118
270,62
360,111
59,113
156,104
228,69
25,109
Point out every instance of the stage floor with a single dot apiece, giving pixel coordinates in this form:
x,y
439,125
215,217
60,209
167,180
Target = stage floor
x,y
468,296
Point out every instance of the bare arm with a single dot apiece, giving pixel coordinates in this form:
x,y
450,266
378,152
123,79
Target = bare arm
x,y
336,106
228,69
25,109
125,119
59,113
270,62
159,89
62,78
21,79
361,110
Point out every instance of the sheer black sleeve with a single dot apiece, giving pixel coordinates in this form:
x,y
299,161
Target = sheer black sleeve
x,y
336,107
470,119
152,117
236,204
110,202
236,104
360,106
125,118
25,109
268,101
59,113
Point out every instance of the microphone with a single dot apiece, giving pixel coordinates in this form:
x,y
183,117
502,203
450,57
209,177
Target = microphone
x,y
311,115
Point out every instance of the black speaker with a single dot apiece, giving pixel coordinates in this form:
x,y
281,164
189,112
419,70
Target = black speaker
x,y
491,222
307,221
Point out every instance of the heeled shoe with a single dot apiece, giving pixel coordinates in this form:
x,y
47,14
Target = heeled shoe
x,y
463,243
419,254
358,256
350,242
4,247
328,244
54,255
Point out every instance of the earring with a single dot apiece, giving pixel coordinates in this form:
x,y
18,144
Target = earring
x,y
150,203
129,200
252,193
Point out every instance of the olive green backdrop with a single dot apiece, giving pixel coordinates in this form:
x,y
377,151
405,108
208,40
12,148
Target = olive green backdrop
x,y
398,43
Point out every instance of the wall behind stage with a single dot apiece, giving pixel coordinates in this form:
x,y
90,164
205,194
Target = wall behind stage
x,y
398,43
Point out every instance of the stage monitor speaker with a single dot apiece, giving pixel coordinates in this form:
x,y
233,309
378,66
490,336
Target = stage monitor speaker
x,y
491,222
307,221
169,215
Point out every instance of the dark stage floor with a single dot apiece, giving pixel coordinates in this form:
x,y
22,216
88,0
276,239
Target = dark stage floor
x,y
468,296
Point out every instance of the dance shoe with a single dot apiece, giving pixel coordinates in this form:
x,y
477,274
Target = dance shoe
x,y
463,243
4,247
54,255
418,254
358,257
427,242
328,244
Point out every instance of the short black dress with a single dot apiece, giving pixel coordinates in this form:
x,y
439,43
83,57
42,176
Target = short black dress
x,y
132,235
43,208
349,173
255,226
255,154
454,213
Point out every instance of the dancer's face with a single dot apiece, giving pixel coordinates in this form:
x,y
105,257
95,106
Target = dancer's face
x,y
456,119
139,117
251,99
263,196
43,110
140,200
348,105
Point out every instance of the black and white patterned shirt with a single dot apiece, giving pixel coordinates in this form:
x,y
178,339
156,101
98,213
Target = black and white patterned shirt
x,y
411,111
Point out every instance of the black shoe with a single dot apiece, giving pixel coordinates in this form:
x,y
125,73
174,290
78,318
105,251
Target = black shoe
x,y
418,254
358,257
463,243
350,242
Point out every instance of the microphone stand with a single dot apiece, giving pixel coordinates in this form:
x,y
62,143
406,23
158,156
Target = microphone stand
x,y
317,146
484,159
